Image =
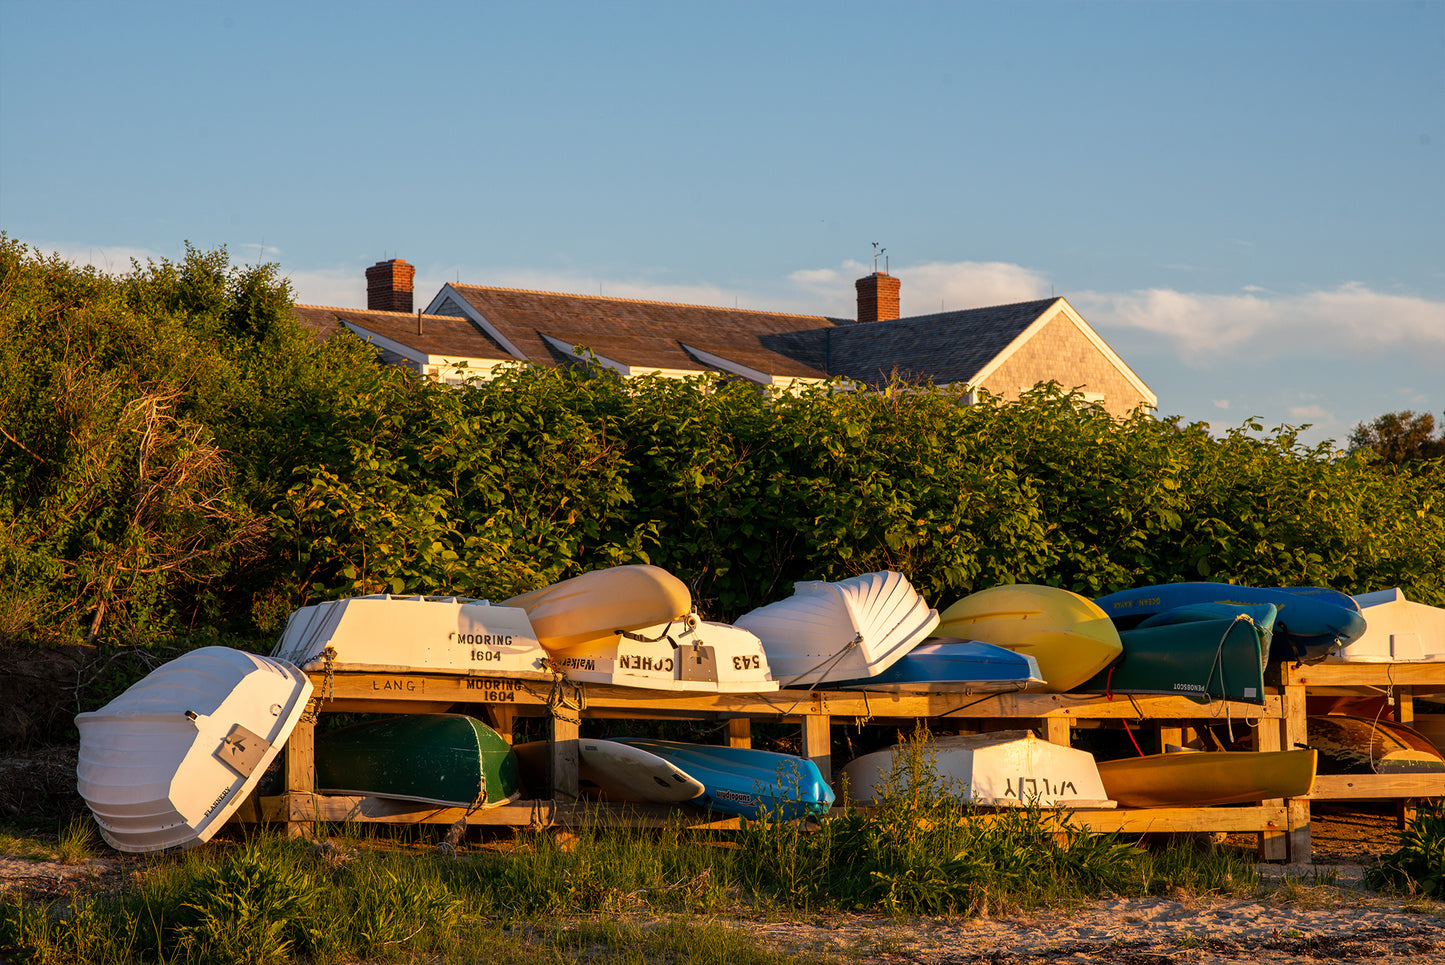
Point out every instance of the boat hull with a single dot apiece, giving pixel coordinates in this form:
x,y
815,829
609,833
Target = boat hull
x,y
1219,659
449,760
744,782
615,772
164,765
1067,635
1004,769
681,656
1397,630
394,634
1360,745
941,665
1311,624
1196,779
584,609
847,630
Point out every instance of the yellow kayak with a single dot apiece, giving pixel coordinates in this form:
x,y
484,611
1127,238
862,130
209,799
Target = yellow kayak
x,y
590,609
1067,634
1197,778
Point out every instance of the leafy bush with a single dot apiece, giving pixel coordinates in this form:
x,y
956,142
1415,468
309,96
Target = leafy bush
x,y
1417,867
180,456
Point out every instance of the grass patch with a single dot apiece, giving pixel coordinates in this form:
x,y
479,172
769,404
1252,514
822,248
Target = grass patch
x,y
77,841
626,895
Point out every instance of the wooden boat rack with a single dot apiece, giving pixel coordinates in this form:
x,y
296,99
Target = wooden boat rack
x,y
1283,826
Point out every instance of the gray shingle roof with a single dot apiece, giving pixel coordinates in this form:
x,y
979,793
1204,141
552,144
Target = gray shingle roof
x,y
945,347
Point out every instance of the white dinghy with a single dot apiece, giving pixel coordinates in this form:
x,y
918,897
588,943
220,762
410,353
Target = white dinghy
x,y
400,634
1397,630
1007,768
855,628
686,655
165,764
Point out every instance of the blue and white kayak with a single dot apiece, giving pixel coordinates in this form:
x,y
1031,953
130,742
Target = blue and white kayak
x,y
745,782
947,665
1312,622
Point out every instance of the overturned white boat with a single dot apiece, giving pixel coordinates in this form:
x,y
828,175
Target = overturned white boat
x,y
1397,630
855,628
1008,768
419,634
685,655
165,764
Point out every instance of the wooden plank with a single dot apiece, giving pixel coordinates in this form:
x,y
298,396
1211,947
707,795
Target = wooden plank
x,y
300,767
740,732
1405,706
1169,734
338,808
1374,787
1301,847
1368,674
1185,820
502,717
1273,843
347,687
1057,730
562,761
818,743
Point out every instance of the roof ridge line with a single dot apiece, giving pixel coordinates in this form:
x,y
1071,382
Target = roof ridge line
x,y
369,311
635,301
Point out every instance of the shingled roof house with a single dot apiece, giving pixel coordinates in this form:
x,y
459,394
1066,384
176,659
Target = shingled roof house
x,y
467,330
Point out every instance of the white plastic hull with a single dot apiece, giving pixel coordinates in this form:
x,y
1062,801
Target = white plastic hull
x,y
681,656
1009,768
164,765
1397,630
854,628
395,634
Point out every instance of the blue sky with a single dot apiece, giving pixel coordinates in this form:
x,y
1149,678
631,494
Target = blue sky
x,y
1245,199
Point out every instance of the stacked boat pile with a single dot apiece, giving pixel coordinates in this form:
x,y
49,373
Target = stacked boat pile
x,y
168,761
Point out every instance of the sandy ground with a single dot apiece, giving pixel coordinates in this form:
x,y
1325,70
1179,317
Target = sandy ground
x,y
1311,914
1301,921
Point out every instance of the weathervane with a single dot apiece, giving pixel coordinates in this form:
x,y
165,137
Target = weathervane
x,y
876,252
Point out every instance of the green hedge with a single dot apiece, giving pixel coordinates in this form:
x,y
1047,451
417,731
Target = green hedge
x,y
178,453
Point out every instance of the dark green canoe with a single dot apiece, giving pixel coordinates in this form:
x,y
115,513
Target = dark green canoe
x,y
1218,659
446,759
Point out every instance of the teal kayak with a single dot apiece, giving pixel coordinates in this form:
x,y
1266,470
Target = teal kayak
x,y
1205,659
446,759
1312,623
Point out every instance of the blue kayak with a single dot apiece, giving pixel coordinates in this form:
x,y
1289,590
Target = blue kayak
x,y
1312,622
945,665
745,782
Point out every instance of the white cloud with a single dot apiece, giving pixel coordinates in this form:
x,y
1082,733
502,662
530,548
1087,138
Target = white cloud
x,y
337,287
1221,403
928,288
111,259
1310,413
1351,318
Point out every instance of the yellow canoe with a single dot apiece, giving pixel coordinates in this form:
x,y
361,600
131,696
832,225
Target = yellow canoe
x,y
1068,635
592,608
1199,778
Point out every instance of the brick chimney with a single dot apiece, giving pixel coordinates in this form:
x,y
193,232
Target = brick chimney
x,y
877,297
389,286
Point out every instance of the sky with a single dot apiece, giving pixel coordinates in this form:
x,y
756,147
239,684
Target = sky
x,y
1246,200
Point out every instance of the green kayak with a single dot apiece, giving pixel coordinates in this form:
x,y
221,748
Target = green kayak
x,y
1204,659
446,759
